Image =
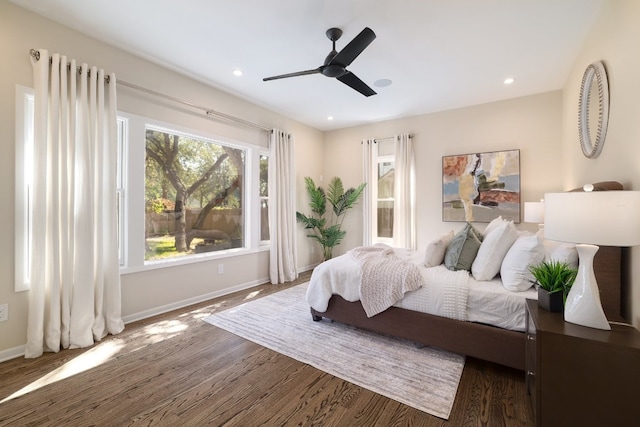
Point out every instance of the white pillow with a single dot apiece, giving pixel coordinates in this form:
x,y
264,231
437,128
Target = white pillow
x,y
493,224
492,251
434,255
527,250
561,252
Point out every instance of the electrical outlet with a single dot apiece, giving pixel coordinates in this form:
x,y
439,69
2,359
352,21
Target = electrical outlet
x,y
4,312
220,268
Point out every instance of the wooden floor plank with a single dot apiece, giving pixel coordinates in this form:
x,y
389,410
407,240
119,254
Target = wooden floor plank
x,y
176,370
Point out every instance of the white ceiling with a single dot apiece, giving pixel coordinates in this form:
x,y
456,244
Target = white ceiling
x,y
439,54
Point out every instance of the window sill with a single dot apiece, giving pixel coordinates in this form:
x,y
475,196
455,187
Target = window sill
x,y
205,257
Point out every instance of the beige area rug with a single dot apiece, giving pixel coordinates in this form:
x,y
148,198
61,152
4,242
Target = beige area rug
x,y
424,378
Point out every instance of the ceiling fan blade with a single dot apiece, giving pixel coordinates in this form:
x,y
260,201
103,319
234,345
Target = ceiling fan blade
x,y
354,82
298,73
354,48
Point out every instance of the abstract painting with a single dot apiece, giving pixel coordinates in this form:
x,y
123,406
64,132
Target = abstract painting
x,y
479,187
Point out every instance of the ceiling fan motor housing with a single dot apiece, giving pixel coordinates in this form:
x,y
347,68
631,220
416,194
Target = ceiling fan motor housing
x,y
333,70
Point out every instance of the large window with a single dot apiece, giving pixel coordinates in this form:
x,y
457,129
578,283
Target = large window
x,y
190,196
181,196
193,195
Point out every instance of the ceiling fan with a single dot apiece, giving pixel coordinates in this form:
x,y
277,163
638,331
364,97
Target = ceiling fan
x,y
336,63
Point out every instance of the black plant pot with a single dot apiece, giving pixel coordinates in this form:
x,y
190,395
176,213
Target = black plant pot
x,y
550,301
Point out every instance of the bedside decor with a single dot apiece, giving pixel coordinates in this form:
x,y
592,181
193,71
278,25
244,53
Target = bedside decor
x,y
480,187
534,213
593,114
554,280
607,218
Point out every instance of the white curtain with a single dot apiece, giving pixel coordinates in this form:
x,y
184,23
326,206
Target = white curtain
x,y
74,296
283,258
369,199
404,206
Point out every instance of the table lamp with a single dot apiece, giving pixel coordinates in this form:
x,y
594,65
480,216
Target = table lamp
x,y
607,218
534,212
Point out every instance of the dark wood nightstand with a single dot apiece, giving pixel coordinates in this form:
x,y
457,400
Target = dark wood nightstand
x,y
579,376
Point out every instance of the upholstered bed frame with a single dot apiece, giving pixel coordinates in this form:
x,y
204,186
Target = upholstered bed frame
x,y
485,342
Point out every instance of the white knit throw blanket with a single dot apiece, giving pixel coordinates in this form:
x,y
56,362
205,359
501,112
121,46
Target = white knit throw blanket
x,y
448,290
384,277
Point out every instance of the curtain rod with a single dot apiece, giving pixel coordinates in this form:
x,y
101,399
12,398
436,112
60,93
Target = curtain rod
x,y
208,111
388,138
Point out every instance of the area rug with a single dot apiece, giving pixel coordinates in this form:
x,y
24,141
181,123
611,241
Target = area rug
x,y
423,378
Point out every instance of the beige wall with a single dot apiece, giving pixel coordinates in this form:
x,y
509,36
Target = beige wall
x,y
532,124
144,292
613,40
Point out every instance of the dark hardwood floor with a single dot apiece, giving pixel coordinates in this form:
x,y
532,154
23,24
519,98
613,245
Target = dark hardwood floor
x,y
176,370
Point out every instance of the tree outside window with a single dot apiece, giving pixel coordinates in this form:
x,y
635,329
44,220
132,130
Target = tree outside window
x,y
194,195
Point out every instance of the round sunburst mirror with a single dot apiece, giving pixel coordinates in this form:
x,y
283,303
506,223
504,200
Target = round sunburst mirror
x,y
593,110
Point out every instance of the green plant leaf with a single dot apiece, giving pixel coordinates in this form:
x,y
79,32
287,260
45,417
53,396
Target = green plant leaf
x,y
554,276
335,192
341,201
317,198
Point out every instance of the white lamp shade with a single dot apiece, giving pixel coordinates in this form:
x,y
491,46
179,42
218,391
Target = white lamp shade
x,y
608,218
534,212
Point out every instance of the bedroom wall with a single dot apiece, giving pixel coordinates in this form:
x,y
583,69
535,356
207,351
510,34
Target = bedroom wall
x,y
532,124
144,292
613,40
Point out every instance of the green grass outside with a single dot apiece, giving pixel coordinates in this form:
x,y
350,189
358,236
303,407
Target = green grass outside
x,y
163,247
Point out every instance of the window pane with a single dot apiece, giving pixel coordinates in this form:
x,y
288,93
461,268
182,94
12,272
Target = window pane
x,y
264,176
386,173
120,187
385,219
264,220
23,180
194,196
385,180
264,198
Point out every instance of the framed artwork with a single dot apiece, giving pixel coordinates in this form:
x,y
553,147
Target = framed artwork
x,y
479,187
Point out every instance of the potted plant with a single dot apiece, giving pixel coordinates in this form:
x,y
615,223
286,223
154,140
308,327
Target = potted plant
x,y
554,280
328,233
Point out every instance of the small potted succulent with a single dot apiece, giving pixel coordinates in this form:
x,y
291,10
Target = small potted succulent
x,y
554,280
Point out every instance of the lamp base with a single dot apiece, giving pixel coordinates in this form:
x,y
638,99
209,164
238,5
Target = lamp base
x,y
583,306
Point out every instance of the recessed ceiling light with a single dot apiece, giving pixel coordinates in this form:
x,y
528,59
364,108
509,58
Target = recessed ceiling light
x,y
237,73
330,118
382,83
509,80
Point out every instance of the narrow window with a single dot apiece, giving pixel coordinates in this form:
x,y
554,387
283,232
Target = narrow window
x,y
386,171
120,186
264,199
24,171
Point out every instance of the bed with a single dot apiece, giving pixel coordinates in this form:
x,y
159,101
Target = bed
x,y
478,336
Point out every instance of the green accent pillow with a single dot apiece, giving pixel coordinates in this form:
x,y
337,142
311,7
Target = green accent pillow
x,y
463,249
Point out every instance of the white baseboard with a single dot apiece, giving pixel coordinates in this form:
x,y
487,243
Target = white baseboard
x,y
11,353
200,298
190,301
15,352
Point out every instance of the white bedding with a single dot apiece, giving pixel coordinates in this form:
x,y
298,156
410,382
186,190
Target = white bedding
x,y
486,302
